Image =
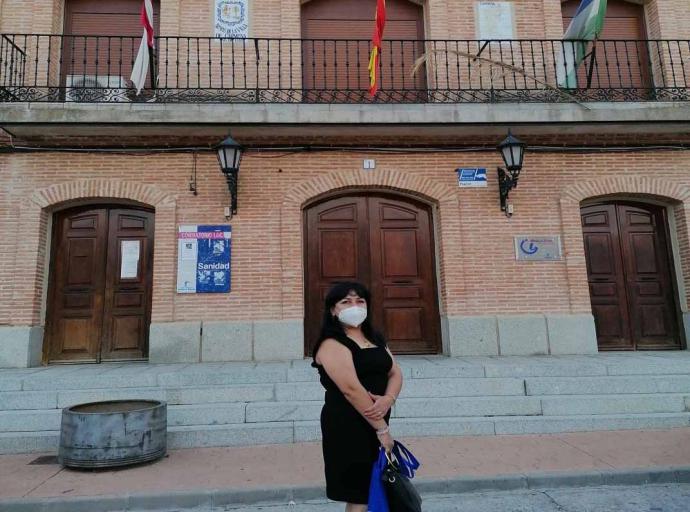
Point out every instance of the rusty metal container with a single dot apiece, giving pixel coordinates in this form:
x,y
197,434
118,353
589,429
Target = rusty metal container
x,y
113,433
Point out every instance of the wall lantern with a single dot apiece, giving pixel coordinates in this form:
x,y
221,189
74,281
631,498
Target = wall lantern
x,y
229,155
512,150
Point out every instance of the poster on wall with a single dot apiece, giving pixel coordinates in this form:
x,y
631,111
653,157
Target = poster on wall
x,y
203,258
231,18
495,20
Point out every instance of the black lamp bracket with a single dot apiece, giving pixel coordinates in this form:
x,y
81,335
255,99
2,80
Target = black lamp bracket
x,y
507,180
231,179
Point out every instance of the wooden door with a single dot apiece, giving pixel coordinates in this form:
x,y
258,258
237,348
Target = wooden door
x,y
623,62
335,53
128,284
630,276
386,243
99,296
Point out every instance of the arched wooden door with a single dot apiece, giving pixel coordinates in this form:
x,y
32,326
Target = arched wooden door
x,y
624,62
99,297
630,274
337,41
386,243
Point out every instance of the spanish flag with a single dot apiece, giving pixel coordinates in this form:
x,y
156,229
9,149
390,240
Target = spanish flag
x,y
376,46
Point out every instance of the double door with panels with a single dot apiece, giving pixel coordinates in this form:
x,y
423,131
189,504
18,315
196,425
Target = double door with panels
x,y
630,274
99,298
385,243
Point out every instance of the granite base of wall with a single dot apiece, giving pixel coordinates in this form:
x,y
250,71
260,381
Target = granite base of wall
x,y
521,335
281,340
20,346
686,324
190,342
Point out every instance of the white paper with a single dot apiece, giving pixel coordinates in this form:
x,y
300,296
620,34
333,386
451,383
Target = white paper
x,y
129,261
495,20
186,265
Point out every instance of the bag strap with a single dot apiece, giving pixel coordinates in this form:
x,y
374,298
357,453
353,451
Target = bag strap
x,y
408,463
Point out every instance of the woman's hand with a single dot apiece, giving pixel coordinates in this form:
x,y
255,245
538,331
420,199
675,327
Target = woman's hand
x,y
379,408
386,441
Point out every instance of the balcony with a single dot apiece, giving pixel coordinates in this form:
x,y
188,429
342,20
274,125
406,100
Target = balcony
x,y
96,69
75,90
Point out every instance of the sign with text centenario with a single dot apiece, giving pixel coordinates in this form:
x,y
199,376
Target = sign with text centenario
x,y
203,258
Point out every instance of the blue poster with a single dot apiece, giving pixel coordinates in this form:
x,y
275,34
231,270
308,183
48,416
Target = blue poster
x,y
203,264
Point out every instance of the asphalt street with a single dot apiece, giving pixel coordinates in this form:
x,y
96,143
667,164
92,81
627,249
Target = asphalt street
x,y
640,498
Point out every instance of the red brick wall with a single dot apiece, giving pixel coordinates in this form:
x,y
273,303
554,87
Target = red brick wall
x,y
478,271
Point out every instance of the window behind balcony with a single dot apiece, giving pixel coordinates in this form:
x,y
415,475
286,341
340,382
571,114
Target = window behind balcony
x,y
622,61
337,40
101,42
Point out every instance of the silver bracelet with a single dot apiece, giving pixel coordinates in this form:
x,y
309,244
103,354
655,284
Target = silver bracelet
x,y
383,431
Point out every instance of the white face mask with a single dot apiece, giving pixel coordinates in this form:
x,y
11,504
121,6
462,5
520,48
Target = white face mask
x,y
353,316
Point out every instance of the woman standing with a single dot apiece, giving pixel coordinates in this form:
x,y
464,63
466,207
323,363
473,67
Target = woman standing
x,y
362,382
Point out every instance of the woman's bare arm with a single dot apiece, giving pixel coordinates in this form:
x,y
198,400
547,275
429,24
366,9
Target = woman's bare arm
x,y
395,379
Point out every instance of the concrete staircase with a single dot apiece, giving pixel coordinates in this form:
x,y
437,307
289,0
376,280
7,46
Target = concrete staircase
x,y
224,404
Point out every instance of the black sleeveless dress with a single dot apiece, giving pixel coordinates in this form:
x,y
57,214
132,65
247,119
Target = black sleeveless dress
x,y
350,445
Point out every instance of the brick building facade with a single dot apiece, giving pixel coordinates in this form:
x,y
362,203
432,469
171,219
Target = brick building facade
x,y
629,159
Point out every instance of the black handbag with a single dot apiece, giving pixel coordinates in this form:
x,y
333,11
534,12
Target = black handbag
x,y
401,494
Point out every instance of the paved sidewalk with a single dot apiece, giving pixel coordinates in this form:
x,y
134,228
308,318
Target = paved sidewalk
x,y
262,467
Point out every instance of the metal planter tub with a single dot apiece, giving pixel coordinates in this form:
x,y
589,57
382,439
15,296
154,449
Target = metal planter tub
x,y
113,433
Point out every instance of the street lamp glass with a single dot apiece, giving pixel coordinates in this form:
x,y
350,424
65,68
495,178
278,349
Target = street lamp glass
x,y
229,154
513,151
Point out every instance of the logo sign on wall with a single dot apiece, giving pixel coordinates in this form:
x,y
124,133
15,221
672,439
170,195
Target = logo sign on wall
x,y
538,248
471,177
231,18
203,259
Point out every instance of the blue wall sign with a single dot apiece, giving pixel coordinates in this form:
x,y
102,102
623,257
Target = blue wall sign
x,y
472,177
203,259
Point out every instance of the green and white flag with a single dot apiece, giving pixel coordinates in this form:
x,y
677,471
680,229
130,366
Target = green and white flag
x,y
585,26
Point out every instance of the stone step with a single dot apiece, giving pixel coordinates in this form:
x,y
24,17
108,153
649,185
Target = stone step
x,y
612,385
178,415
573,405
139,375
312,391
15,400
404,408
294,391
465,407
309,431
29,442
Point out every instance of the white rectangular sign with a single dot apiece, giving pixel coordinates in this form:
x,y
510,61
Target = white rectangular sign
x,y
129,259
231,18
472,177
495,20
538,248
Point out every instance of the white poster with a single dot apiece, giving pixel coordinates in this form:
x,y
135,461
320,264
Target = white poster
x,y
129,259
495,20
231,18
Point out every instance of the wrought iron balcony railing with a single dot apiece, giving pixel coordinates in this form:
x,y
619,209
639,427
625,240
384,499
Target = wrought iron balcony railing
x,y
75,68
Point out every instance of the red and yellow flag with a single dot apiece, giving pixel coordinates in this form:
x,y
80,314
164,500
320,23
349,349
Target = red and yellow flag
x,y
380,23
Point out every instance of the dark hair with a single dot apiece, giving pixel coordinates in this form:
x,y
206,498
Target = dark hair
x,y
331,326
